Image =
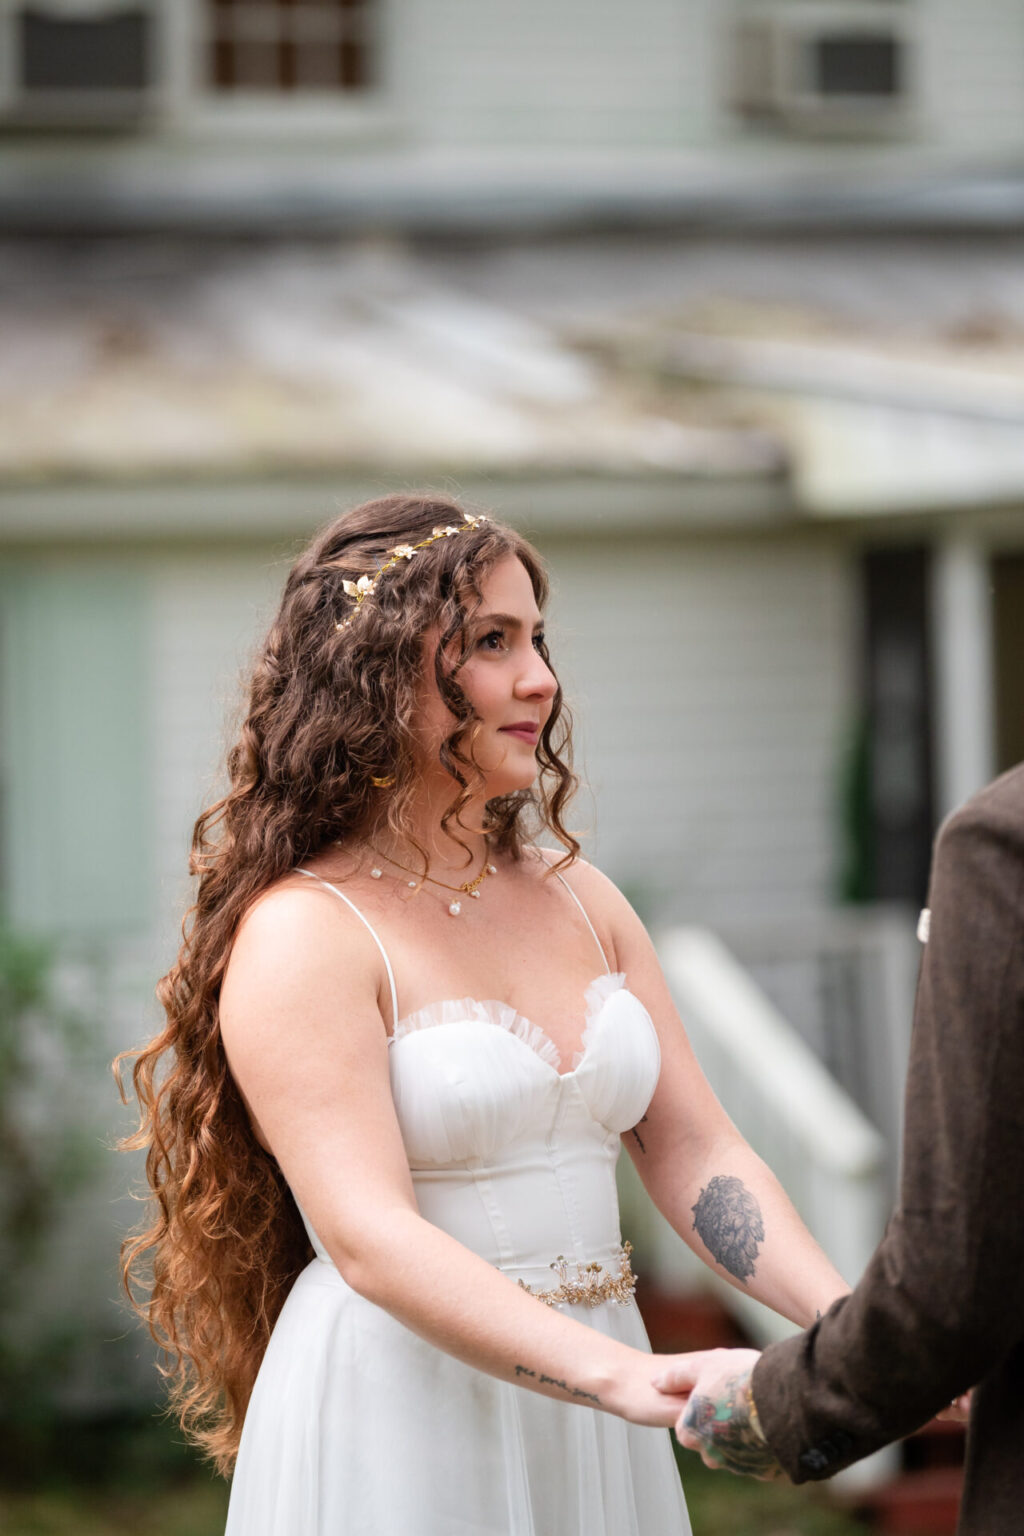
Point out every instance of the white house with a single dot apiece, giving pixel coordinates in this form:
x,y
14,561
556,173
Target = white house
x,y
334,113
653,283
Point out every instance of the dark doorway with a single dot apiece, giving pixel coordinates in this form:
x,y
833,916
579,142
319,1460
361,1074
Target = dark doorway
x,y
1008,609
891,801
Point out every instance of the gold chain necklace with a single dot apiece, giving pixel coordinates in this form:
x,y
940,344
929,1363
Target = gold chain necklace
x,y
469,887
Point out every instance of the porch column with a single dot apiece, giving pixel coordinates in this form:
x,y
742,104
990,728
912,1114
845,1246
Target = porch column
x,y
965,755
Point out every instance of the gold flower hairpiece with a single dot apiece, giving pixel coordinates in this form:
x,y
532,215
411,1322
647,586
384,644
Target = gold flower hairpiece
x,y
366,586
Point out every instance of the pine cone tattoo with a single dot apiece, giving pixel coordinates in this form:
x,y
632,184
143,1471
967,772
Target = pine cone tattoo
x,y
728,1221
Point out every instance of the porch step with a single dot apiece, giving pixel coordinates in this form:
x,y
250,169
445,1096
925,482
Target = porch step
x,y
924,1503
676,1324
924,1500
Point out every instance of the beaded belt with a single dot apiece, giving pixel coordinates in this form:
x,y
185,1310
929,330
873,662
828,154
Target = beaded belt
x,y
591,1285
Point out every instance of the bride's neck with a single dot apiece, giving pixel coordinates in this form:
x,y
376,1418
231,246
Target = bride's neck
x,y
445,850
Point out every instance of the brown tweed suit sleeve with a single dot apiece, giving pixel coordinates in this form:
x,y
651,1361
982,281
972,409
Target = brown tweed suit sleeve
x,y
942,1299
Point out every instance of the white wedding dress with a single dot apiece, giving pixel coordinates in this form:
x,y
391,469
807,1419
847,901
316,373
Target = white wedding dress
x,y
358,1427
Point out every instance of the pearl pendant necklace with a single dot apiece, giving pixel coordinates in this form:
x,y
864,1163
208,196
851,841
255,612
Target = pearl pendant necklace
x,y
469,887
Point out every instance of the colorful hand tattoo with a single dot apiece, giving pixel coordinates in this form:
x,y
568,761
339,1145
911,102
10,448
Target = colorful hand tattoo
x,y
728,1429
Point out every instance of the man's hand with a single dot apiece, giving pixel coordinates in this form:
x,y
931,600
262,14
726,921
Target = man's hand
x,y
959,1410
720,1420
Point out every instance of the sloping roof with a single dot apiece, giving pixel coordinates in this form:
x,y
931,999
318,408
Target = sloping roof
x,y
876,375
133,359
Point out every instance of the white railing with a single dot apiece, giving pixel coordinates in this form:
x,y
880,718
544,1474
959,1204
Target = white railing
x,y
844,978
828,1157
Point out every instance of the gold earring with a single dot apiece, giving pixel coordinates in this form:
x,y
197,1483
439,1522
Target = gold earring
x,y
385,783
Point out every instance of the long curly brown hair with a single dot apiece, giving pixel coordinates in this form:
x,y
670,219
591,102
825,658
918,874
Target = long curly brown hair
x,y
329,711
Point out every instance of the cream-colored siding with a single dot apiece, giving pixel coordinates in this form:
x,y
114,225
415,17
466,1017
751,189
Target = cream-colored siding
x,y
206,614
542,77
580,72
711,681
658,74
715,688
969,73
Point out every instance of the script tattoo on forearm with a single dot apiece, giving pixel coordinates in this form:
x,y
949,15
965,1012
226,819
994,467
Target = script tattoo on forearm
x,y
728,1221
556,1381
636,1134
727,1432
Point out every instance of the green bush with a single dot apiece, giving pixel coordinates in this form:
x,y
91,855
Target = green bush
x,y
46,1154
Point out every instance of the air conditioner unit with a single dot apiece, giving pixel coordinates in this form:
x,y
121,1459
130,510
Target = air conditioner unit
x,y
77,63
822,67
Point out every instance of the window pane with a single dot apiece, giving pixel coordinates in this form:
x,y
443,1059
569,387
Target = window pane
x,y
256,65
287,45
223,65
857,64
318,67
353,64
64,53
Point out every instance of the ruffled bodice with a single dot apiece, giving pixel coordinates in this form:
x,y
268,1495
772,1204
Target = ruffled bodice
x,y
470,1077
510,1155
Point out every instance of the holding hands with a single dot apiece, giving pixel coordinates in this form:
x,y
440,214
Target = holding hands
x,y
719,1420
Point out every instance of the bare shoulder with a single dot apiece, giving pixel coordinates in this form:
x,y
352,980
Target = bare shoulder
x,y
295,943
305,1037
617,924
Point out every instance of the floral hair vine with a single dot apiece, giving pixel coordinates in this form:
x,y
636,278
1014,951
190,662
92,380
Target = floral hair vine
x,y
366,586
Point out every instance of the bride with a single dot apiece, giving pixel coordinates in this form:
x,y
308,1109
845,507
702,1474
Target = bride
x,y
404,1046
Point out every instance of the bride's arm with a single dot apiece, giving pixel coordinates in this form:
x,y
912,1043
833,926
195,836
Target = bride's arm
x,y
701,1174
309,1055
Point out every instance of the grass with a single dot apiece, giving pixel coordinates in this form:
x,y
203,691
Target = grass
x,y
132,1479
119,1477
722,1505
197,1510
719,1506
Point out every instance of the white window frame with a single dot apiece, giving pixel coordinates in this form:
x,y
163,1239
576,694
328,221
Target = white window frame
x,y
54,107
205,112
795,24
178,97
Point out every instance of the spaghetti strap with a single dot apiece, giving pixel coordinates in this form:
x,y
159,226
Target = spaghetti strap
x,y
373,934
586,919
